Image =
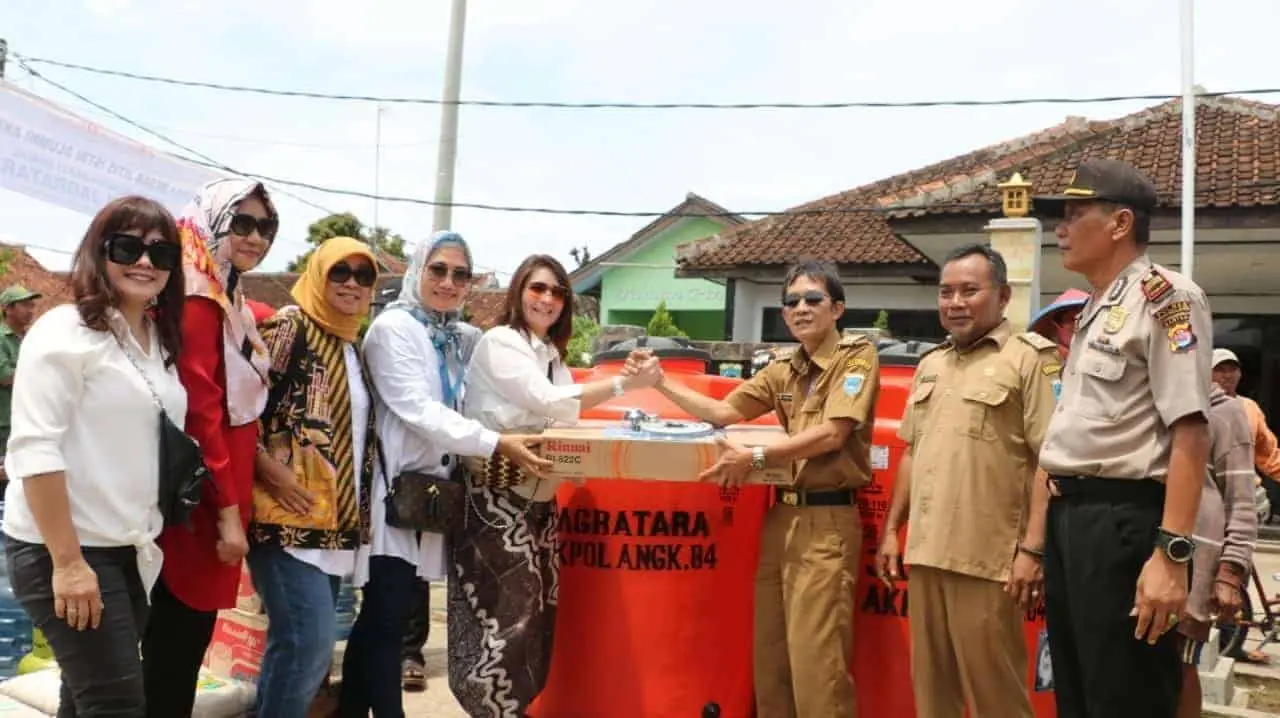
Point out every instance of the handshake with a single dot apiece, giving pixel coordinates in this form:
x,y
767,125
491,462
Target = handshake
x,y
641,371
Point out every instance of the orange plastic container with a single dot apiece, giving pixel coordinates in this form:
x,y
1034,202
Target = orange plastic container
x,y
656,580
670,639
882,639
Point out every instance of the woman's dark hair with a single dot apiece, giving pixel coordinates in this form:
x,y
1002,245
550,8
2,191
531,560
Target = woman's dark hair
x,y
94,293
513,311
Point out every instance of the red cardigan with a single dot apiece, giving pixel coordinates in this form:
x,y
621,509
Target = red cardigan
x,y
191,568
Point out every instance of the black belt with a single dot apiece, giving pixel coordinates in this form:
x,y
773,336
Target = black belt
x,y
823,497
1144,491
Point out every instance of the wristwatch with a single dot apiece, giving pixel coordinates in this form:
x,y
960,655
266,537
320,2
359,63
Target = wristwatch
x,y
757,458
1179,549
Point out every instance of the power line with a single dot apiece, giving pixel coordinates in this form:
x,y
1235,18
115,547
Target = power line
x,y
203,160
206,160
306,94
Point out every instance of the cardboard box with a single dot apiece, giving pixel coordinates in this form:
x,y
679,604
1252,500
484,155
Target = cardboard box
x,y
609,449
246,597
235,653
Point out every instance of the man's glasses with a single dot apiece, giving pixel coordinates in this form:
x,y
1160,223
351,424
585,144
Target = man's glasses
x,y
542,289
812,298
440,270
126,249
242,225
364,275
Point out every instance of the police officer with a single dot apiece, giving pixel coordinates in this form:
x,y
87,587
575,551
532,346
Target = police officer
x,y
978,410
824,393
1125,453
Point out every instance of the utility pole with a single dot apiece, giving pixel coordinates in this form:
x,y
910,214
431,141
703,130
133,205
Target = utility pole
x,y
4,55
448,154
1188,252
377,170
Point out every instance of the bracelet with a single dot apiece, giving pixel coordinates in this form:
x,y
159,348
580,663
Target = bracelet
x,y
618,389
1038,555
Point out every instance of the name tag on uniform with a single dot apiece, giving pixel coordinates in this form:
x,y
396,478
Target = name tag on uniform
x,y
784,397
1104,347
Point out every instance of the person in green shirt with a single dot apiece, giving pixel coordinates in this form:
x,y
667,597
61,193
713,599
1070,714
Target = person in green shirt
x,y
18,305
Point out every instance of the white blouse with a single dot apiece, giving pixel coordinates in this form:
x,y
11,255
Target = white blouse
x,y
418,432
80,407
517,384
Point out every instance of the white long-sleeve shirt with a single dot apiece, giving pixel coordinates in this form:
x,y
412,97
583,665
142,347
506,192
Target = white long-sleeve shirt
x,y
80,407
418,432
518,384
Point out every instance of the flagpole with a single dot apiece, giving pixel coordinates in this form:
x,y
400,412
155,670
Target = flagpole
x,y
1188,138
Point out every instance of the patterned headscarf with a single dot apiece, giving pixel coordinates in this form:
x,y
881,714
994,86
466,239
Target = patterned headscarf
x,y
203,227
448,334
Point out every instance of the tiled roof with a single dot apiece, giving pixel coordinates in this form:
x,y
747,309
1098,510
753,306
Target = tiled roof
x,y
484,307
1238,144
23,269
693,204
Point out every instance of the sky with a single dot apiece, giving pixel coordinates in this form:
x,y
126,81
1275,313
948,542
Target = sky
x,y
581,51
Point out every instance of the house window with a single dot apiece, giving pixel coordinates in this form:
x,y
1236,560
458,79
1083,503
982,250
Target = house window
x,y
903,323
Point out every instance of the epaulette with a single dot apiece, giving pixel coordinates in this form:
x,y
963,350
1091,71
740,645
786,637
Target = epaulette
x,y
1038,341
937,348
852,340
1156,286
784,354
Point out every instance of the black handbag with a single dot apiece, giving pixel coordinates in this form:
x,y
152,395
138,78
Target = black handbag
x,y
183,472
421,502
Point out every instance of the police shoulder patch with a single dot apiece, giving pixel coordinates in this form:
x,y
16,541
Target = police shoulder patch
x,y
1037,341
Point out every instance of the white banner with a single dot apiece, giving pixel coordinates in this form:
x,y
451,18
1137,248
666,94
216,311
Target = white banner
x,y
53,155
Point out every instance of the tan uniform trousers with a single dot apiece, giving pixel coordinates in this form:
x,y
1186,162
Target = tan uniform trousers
x,y
967,646
804,612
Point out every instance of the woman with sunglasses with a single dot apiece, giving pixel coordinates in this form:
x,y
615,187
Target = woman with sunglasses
x,y
82,509
318,427
227,230
502,594
416,351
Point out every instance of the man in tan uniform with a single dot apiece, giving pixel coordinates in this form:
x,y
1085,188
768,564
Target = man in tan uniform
x,y
824,394
1126,453
979,407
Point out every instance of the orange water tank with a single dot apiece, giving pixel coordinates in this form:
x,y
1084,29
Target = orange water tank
x,y
882,643
656,580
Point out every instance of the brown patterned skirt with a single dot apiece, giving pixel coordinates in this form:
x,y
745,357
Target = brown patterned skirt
x,y
502,601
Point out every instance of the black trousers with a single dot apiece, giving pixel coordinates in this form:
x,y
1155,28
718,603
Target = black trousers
x,y
173,648
371,664
415,639
101,671
1097,539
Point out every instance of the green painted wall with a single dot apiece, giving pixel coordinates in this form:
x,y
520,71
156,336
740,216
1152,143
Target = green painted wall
x,y
704,325
641,288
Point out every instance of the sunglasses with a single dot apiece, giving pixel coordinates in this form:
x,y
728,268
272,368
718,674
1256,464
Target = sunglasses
x,y
439,271
542,289
364,275
812,297
243,225
127,249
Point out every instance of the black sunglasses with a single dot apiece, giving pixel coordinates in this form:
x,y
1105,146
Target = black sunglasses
x,y
440,270
542,289
812,297
243,225
364,275
127,249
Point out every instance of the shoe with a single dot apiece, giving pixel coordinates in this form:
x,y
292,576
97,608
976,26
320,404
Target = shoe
x,y
413,679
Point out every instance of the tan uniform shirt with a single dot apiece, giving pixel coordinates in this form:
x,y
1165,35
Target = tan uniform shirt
x,y
840,381
973,424
1140,360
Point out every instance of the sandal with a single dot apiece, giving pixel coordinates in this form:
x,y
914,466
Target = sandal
x,y
412,677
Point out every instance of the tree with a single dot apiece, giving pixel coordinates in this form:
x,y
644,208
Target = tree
x,y
581,344
882,321
662,325
346,224
580,255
